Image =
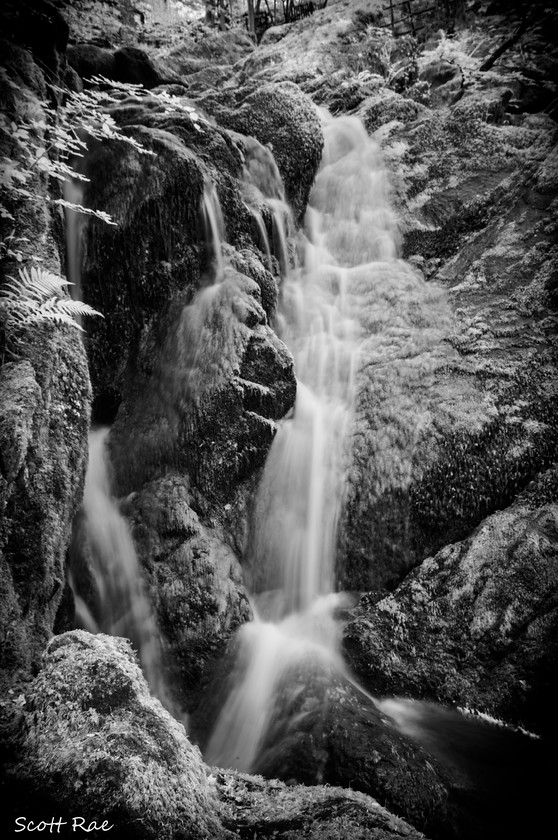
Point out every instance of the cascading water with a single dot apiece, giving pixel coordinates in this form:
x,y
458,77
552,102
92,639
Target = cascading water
x,y
73,194
300,496
214,230
118,604
203,348
263,192
352,305
106,577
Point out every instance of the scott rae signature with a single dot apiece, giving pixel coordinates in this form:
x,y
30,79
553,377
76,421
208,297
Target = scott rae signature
x,y
54,825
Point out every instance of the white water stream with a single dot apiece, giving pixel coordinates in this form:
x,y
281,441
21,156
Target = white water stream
x,y
122,606
299,501
73,193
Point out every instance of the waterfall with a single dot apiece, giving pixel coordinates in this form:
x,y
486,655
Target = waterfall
x,y
73,193
290,563
105,573
264,195
213,229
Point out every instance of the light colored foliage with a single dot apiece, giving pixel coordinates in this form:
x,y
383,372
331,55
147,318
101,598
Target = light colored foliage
x,y
37,296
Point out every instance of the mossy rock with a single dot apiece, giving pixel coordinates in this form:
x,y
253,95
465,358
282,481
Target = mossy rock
x,y
255,807
158,251
95,743
194,580
281,116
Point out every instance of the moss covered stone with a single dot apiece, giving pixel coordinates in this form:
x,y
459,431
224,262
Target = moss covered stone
x,y
95,743
90,740
281,116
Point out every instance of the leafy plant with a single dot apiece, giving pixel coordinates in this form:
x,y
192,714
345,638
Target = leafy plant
x,y
38,296
51,139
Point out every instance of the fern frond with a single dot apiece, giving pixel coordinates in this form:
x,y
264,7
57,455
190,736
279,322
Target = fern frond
x,y
35,284
36,296
79,208
64,308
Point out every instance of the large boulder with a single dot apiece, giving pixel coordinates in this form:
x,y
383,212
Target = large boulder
x,y
476,624
326,730
97,745
474,186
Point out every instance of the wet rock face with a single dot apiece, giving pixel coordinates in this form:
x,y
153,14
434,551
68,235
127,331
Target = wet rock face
x,y
475,625
187,355
43,438
45,394
205,399
202,406
194,581
131,271
325,730
161,251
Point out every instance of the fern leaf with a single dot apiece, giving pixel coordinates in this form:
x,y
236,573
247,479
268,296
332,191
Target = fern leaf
x,y
66,306
37,284
38,295
51,310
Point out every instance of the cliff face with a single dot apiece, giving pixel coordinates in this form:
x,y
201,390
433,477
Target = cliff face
x,y
44,378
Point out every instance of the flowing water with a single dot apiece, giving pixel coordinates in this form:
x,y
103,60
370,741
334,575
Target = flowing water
x,y
290,567
349,301
73,193
264,196
213,230
108,585
341,299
